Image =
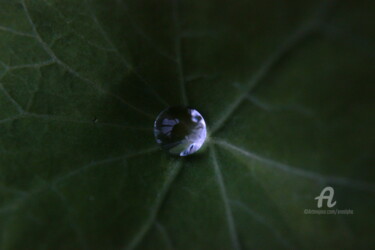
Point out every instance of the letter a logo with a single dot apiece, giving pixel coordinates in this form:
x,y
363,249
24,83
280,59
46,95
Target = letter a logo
x,y
324,196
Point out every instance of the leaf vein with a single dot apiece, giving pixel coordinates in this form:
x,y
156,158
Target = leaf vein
x,y
16,32
295,39
178,52
228,211
360,185
126,63
165,235
260,219
72,71
159,201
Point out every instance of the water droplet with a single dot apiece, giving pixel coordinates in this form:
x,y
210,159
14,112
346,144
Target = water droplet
x,y
180,130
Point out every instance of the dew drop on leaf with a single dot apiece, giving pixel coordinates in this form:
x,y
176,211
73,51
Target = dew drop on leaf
x,y
180,130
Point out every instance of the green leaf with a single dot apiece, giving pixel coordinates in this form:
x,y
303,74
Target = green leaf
x,y
287,91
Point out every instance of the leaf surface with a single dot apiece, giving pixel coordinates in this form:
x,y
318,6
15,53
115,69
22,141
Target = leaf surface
x,y
287,91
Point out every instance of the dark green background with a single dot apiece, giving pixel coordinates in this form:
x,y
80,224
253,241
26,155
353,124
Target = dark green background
x,y
287,89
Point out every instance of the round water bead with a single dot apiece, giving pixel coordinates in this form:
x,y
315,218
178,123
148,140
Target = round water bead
x,y
180,130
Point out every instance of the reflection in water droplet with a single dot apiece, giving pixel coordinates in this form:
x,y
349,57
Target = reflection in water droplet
x,y
180,130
